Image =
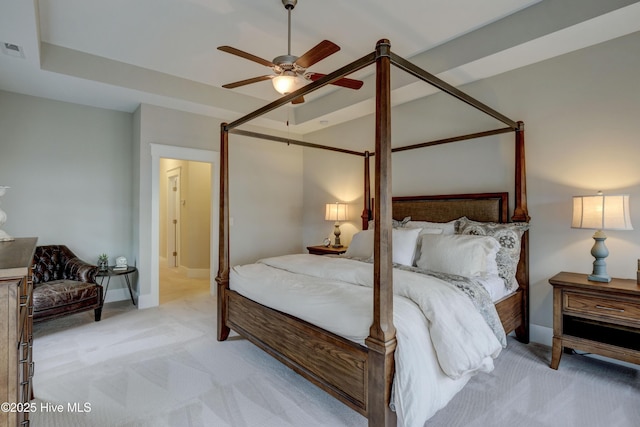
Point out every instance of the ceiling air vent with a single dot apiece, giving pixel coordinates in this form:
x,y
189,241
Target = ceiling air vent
x,y
12,50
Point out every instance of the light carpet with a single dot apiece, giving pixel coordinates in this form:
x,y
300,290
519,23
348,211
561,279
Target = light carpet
x,y
164,367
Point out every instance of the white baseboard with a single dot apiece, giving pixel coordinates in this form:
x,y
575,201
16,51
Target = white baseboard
x,y
147,301
191,273
541,334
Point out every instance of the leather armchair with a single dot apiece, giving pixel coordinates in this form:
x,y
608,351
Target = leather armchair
x,y
63,284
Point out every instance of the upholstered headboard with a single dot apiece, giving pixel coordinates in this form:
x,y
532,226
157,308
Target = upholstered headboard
x,y
483,207
478,207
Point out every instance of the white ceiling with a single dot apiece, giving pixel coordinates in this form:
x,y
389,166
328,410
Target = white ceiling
x,y
117,54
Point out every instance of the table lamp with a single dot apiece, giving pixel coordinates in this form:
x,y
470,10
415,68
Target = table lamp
x,y
336,212
600,213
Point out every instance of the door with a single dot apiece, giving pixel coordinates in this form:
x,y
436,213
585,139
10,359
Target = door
x,y
173,218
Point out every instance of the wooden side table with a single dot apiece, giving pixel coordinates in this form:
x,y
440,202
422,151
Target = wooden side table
x,y
596,317
326,250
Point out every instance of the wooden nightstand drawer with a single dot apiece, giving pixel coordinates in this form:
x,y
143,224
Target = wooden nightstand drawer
x,y
611,309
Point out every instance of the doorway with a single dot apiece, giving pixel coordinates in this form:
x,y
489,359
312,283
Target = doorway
x,y
158,152
185,231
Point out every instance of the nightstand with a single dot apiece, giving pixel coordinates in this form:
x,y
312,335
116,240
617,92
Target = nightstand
x,y
326,250
600,318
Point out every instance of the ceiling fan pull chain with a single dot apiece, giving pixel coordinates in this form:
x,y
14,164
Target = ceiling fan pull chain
x,y
288,129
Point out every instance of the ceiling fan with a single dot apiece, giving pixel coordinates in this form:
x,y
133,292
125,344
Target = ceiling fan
x,y
290,71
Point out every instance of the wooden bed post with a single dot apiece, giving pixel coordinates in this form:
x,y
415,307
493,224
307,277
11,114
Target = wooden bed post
x,y
222,279
366,212
520,213
381,342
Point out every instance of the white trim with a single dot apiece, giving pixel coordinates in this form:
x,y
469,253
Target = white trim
x,y
183,153
540,334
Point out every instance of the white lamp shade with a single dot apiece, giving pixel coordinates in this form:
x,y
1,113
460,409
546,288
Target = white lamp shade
x,y
602,212
287,83
335,212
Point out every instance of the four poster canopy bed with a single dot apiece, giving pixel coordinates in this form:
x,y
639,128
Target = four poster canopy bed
x,y
360,326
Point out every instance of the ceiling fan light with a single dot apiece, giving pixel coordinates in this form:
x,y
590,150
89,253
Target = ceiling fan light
x,y
287,83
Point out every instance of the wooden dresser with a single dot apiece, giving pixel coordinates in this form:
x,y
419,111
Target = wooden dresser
x,y
16,337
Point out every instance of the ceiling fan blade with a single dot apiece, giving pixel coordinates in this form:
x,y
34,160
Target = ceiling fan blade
x,y
298,100
344,82
246,82
245,55
317,53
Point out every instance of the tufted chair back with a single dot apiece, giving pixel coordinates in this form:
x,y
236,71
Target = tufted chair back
x,y
57,262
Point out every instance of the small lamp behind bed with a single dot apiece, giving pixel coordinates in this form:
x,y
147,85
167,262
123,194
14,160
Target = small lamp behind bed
x,y
336,212
599,213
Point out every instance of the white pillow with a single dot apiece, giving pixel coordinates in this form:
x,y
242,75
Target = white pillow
x,y
419,242
446,227
404,242
361,246
464,255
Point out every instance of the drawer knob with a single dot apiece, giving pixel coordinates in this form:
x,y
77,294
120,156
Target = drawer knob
x,y
619,310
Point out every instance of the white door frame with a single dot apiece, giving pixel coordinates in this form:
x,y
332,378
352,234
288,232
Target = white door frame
x,y
182,153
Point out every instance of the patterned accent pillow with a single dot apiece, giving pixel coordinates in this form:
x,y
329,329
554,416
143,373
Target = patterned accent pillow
x,y
400,223
509,236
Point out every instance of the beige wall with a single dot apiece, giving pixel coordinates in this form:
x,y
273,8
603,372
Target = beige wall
x,y
265,203
196,233
70,171
580,112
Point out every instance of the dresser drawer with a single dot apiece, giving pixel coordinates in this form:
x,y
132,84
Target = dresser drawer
x,y
611,309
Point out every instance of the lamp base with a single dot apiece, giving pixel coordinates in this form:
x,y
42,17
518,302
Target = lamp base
x,y
596,278
4,237
336,232
599,251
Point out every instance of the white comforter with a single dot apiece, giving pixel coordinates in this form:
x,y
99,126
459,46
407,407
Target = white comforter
x,y
442,339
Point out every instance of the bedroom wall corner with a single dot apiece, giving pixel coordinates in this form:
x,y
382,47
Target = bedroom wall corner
x,y
331,177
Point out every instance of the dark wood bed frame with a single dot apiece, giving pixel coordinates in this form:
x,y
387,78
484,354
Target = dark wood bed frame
x,y
361,375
